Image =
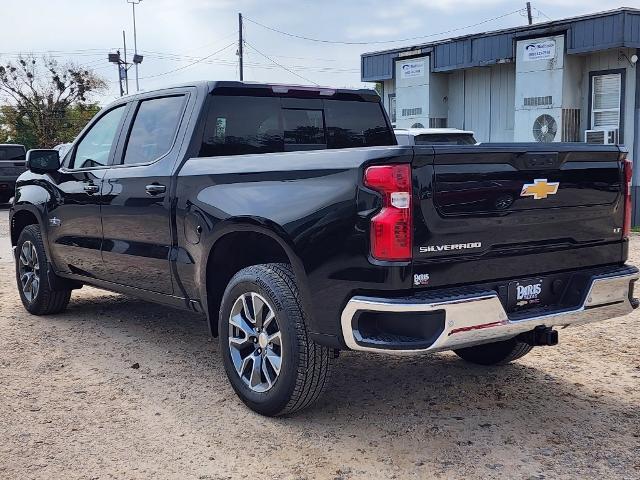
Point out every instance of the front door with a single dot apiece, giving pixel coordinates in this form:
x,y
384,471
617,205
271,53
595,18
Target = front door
x,y
74,227
136,213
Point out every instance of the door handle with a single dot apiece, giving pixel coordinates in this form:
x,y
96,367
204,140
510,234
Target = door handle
x,y
155,189
91,189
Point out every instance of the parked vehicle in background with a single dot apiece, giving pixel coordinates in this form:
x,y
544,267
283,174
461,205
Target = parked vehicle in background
x,y
289,216
12,164
434,136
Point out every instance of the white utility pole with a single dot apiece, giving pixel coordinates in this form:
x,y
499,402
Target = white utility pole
x,y
135,42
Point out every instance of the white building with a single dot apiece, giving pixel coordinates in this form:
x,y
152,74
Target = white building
x,y
569,80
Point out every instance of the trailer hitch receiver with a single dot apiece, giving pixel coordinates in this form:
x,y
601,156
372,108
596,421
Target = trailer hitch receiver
x,y
540,336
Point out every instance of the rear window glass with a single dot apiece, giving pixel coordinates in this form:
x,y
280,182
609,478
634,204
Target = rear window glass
x,y
239,125
445,139
356,124
303,127
12,153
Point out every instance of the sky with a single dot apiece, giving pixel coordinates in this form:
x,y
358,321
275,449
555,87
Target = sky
x,y
186,40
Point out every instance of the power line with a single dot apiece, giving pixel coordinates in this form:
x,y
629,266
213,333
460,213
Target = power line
x,y
278,64
42,52
306,58
184,53
178,58
319,40
264,66
233,34
191,64
540,12
327,69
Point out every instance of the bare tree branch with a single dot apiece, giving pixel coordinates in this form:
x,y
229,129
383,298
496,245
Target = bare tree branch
x,y
42,92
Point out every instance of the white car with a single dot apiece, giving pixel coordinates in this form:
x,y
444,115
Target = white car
x,y
434,136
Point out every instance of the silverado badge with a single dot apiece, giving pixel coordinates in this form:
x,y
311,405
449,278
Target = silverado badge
x,y
539,189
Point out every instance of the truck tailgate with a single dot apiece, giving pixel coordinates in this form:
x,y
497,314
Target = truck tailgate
x,y
510,210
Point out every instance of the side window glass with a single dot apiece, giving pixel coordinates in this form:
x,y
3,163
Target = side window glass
x,y
93,150
238,125
154,129
303,127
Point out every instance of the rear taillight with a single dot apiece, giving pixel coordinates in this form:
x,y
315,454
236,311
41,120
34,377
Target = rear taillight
x,y
391,228
628,174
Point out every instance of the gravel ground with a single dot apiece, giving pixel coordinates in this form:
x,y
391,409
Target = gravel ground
x,y
72,406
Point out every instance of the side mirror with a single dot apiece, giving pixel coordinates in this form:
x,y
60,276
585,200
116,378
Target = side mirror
x,y
43,161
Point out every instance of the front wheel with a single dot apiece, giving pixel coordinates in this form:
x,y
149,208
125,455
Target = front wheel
x,y
32,269
272,364
497,353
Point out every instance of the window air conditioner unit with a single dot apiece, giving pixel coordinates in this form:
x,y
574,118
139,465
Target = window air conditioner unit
x,y
602,137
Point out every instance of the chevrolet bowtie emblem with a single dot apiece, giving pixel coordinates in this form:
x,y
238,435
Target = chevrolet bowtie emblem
x,y
539,189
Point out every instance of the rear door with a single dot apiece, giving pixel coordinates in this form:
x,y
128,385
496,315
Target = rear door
x,y
501,211
136,214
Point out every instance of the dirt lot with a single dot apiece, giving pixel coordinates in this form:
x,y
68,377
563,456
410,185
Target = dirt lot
x,y
72,406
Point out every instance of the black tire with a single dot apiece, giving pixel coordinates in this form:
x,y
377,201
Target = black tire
x,y
305,366
47,300
497,353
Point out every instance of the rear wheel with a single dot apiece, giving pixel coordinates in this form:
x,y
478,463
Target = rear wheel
x,y
497,353
32,275
272,364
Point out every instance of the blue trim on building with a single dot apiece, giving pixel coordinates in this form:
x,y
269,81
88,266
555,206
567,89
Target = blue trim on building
x,y
590,33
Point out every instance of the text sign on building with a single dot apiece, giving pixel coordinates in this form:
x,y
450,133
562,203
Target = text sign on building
x,y
412,70
540,51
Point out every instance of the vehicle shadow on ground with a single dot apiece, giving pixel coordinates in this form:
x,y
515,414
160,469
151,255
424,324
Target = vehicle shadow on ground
x,y
373,399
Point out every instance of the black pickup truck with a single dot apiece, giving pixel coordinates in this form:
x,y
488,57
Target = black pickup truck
x,y
12,164
291,219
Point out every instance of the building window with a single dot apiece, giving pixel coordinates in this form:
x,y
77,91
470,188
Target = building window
x,y
606,101
392,107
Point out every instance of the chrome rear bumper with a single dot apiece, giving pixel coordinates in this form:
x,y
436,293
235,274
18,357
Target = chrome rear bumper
x,y
478,318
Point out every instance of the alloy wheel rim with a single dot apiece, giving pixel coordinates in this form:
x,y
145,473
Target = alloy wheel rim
x,y
29,269
255,341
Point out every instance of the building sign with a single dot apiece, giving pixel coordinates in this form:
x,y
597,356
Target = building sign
x,y
540,51
412,70
410,53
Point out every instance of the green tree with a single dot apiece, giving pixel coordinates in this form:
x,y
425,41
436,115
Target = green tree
x,y
13,128
48,103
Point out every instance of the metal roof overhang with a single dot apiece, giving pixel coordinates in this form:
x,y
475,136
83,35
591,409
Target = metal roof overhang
x,y
589,33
